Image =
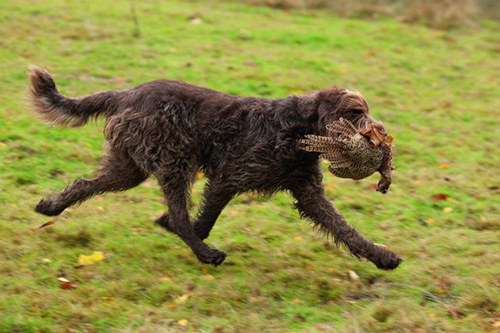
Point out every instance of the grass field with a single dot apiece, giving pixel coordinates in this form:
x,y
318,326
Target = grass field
x,y
438,92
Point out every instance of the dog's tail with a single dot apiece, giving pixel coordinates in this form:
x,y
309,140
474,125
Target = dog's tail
x,y
57,109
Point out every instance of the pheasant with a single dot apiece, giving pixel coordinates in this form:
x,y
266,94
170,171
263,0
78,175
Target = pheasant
x,y
354,153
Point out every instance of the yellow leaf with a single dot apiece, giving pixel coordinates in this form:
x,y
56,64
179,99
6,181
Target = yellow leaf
x,y
209,277
171,306
297,239
100,209
353,276
182,299
46,260
166,279
444,166
429,220
448,209
91,259
183,322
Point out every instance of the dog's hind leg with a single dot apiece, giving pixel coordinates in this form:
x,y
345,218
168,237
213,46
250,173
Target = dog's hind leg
x,y
216,197
175,188
117,173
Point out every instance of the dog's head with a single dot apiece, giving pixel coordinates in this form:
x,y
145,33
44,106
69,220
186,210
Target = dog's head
x,y
335,103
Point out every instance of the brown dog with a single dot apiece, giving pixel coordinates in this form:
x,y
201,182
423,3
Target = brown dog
x,y
172,129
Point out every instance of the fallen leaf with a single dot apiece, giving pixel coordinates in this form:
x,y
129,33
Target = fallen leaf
x,y
183,322
300,319
455,313
494,188
353,276
448,209
46,260
182,299
91,259
100,209
166,279
309,267
441,197
209,277
324,327
78,266
444,166
46,224
196,21
429,220
63,279
297,239
68,285
171,306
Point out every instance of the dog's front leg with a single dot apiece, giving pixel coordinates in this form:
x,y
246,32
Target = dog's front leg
x,y
312,203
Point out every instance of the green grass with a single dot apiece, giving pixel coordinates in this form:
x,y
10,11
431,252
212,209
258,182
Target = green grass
x,y
437,92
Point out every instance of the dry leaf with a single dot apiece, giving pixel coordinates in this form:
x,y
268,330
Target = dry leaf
x,y
441,197
455,313
100,209
353,276
300,319
447,209
444,166
166,279
171,306
182,299
297,238
209,277
91,259
68,285
183,322
46,224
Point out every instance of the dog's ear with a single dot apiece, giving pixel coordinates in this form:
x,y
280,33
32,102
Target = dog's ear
x,y
336,103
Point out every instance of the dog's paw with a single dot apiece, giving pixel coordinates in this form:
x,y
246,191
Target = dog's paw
x,y
389,262
48,208
212,256
201,231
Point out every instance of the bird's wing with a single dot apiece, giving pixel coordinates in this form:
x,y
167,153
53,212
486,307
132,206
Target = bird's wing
x,y
320,144
342,126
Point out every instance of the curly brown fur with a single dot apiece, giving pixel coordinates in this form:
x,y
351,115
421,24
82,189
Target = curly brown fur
x,y
171,130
